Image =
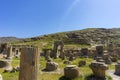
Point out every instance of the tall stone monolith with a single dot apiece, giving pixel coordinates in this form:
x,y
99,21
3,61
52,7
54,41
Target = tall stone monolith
x,y
29,63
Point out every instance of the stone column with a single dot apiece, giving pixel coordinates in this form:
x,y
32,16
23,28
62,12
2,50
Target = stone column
x,y
6,64
29,63
107,58
99,50
71,71
117,69
98,69
9,52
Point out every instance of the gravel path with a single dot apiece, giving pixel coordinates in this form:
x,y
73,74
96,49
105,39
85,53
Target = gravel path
x,y
111,73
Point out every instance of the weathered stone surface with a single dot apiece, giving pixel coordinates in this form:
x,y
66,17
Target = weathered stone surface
x,y
29,63
55,49
81,63
51,66
114,58
9,53
71,71
6,64
117,69
99,50
99,59
1,77
3,64
8,68
98,69
49,59
107,59
84,52
15,69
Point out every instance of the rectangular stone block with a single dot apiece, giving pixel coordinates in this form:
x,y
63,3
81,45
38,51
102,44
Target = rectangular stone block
x,y
29,63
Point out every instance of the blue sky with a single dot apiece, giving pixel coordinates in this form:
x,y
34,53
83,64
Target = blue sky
x,y
28,18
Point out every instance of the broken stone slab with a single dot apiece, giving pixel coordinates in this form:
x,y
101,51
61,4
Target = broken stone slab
x,y
107,59
71,71
98,69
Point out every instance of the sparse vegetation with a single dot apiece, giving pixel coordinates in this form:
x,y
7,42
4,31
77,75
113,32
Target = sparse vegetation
x,y
85,70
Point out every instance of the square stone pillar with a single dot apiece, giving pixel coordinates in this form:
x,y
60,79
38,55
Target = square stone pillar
x,y
9,52
29,63
99,50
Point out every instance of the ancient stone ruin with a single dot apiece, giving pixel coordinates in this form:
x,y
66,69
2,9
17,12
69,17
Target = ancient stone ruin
x,y
56,50
6,64
98,69
29,64
117,69
9,52
71,71
99,50
51,66
107,58
84,52
47,53
99,59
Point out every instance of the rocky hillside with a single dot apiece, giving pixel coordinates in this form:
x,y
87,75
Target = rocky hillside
x,y
85,36
8,39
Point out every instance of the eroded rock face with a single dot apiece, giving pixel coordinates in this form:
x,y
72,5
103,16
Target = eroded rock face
x,y
117,69
51,66
98,69
1,77
71,71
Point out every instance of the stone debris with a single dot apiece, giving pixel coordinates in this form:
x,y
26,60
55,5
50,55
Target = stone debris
x,y
71,71
51,66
